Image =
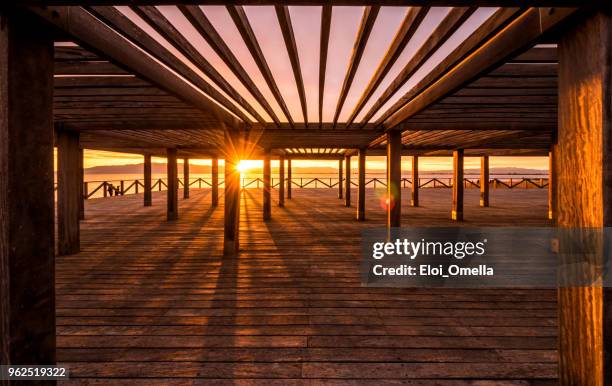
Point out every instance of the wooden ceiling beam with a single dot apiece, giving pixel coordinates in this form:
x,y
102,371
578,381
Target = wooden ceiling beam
x,y
140,38
101,39
361,40
496,22
326,15
248,35
453,20
410,24
200,22
284,19
520,34
433,3
167,30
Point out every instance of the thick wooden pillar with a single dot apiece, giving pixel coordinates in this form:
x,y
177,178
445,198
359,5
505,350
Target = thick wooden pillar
x,y
186,178
457,210
394,178
340,179
27,266
289,179
552,184
281,184
214,170
484,181
414,194
583,166
81,186
347,182
172,196
231,239
69,192
147,180
267,196
361,181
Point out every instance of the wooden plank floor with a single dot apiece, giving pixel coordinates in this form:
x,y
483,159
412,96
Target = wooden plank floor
x,y
153,302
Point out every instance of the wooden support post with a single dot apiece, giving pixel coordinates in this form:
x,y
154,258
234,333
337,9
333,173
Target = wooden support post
x,y
394,178
147,180
484,181
340,178
172,193
267,199
231,239
347,182
583,166
68,192
361,180
215,181
552,181
281,184
186,178
457,210
27,266
289,179
81,185
414,194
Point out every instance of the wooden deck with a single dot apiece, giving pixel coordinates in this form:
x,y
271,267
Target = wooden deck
x,y
153,301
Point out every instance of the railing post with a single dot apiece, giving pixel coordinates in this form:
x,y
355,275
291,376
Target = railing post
x,y
122,187
414,194
484,181
361,185
281,184
81,179
68,192
347,182
289,178
147,181
457,210
267,204
85,190
215,181
172,191
104,189
185,178
394,178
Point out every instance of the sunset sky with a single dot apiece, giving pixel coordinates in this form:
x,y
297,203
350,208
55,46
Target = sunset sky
x,y
306,22
98,158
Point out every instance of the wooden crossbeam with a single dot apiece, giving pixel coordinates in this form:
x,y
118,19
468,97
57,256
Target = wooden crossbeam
x,y
91,33
284,19
516,37
246,31
455,18
410,24
139,37
200,22
326,16
363,34
169,32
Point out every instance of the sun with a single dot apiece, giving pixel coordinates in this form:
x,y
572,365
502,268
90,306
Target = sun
x,y
246,165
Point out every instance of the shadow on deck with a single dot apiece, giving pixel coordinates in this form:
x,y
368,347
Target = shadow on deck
x,y
154,301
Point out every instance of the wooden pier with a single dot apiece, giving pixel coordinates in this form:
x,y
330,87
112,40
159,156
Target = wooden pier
x,y
150,300
235,286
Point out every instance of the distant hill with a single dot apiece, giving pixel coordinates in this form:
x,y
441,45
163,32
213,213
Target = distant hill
x,y
160,168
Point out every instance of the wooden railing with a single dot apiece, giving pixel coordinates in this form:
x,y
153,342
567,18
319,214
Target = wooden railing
x,y
92,189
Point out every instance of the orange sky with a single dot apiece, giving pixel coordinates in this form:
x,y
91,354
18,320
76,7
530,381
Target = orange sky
x,y
98,158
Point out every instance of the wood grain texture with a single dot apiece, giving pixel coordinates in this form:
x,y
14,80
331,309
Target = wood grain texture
x,y
27,264
394,179
484,181
361,181
172,197
457,210
583,167
69,188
